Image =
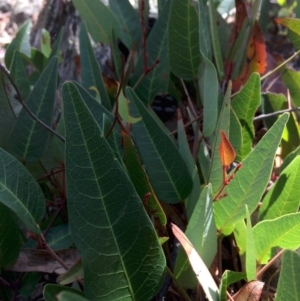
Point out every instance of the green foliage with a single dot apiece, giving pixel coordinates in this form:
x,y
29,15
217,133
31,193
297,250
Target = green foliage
x,y
105,180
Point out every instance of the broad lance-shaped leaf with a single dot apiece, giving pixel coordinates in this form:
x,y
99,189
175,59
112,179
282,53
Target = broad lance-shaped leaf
x,y
283,197
209,87
282,232
90,68
20,192
28,139
245,105
157,80
20,42
140,180
202,233
99,19
288,287
19,74
120,251
165,167
250,181
131,31
183,38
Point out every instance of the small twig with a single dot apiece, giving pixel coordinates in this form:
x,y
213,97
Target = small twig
x,y
264,268
144,36
280,66
274,70
22,102
4,282
187,124
264,116
182,292
117,100
190,103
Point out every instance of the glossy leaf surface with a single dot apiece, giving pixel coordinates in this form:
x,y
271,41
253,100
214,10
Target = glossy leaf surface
x,y
289,279
99,19
165,167
90,68
28,139
202,233
183,37
283,197
118,245
283,232
20,192
250,181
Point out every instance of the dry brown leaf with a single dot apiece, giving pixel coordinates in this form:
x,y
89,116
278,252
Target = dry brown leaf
x,y
251,291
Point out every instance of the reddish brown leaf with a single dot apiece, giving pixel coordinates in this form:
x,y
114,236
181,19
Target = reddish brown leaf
x,y
227,152
256,58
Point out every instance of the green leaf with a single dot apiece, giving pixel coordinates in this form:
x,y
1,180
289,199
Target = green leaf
x,y
291,23
291,79
271,103
245,105
157,81
67,296
229,277
20,42
73,274
165,167
240,236
56,46
282,232
9,107
250,251
20,192
250,181
116,217
90,68
29,283
99,19
52,290
10,242
235,133
289,280
130,32
59,237
202,233
19,74
204,30
124,110
215,172
215,38
184,150
183,38
289,158
208,87
45,43
140,180
28,139
283,197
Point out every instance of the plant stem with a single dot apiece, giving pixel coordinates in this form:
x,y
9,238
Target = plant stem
x,y
182,292
263,116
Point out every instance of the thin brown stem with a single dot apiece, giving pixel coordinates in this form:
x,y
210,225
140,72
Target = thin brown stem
x,y
264,116
182,292
190,103
117,100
